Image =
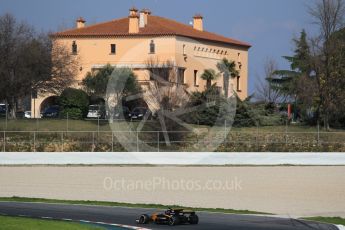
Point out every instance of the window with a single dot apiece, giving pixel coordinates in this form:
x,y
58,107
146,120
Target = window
x,y
239,61
196,78
74,47
184,50
113,48
152,47
159,74
180,76
238,85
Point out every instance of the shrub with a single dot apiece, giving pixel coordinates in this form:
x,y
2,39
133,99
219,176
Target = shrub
x,y
72,113
207,115
245,115
271,120
270,108
75,102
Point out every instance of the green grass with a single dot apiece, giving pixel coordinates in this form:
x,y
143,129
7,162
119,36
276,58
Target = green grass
x,y
117,204
53,125
330,220
92,125
293,138
22,223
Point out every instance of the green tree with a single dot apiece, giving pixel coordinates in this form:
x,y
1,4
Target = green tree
x,y
121,80
121,83
74,102
209,75
206,115
245,115
297,83
95,83
286,80
228,68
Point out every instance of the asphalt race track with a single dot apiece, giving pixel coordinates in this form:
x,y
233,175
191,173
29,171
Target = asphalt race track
x,y
127,216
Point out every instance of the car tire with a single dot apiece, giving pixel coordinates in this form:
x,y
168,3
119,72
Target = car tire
x,y
174,220
144,219
193,219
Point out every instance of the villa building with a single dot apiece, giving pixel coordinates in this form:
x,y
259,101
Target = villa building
x,y
140,38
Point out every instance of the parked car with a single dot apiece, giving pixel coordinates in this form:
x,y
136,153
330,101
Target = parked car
x,y
121,112
51,112
96,111
2,110
27,114
138,113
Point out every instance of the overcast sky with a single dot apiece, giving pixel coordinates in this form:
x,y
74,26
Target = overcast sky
x,y
269,25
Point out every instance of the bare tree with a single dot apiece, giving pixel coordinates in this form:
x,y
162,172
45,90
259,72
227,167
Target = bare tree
x,y
164,82
329,15
31,62
166,96
162,72
264,90
54,67
12,37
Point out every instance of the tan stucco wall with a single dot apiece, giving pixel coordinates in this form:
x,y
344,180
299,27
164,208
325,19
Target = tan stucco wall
x,y
201,60
36,105
134,53
129,51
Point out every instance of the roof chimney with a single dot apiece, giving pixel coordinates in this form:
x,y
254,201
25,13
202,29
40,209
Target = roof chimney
x,y
143,17
133,27
197,22
80,22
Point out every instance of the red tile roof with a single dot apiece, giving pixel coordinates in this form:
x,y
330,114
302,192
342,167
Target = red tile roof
x,y
156,26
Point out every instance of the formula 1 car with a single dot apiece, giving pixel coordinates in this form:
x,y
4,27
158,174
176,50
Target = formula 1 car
x,y
170,217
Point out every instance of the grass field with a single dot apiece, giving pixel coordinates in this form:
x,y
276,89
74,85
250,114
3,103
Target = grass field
x,y
92,135
117,204
103,125
331,220
21,223
53,125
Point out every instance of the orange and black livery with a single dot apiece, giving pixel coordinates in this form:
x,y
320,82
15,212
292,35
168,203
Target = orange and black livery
x,y
170,217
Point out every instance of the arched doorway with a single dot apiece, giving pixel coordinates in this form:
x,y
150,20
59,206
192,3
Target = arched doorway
x,y
48,102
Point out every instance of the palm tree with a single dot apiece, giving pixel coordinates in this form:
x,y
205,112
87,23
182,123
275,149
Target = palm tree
x,y
228,68
209,75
